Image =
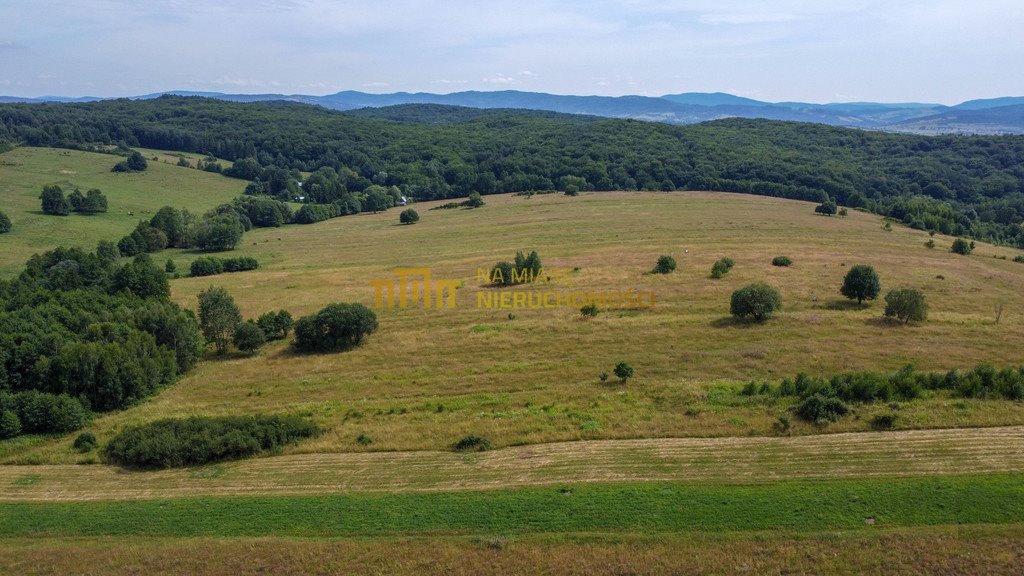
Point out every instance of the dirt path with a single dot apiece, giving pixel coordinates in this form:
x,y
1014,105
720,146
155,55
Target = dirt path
x,y
756,459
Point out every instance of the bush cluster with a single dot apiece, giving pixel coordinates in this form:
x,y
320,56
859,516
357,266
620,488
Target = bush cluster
x,y
175,442
336,327
721,267
35,412
524,269
211,265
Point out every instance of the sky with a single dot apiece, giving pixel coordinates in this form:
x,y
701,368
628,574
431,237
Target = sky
x,y
940,51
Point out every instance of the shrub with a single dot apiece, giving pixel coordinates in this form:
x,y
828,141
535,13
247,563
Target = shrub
x,y
53,201
193,441
883,421
249,337
1019,258
136,162
5,223
10,424
961,246
474,200
589,310
721,267
664,265
758,301
206,266
472,444
623,371
861,283
364,439
336,327
906,304
782,261
276,325
782,424
85,442
603,376
170,267
408,216
819,409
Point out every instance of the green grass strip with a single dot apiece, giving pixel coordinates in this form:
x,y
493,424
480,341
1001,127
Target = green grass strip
x,y
794,505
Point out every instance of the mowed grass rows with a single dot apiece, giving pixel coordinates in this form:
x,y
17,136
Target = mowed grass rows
x,y
428,377
754,460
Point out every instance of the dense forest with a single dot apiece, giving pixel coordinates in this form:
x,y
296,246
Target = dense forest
x,y
963,185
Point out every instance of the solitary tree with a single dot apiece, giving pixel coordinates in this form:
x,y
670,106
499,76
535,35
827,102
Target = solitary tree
x,y
828,208
861,283
54,202
218,317
408,216
759,301
906,304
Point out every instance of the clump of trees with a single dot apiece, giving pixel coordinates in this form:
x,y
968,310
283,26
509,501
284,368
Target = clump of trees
x,y
336,327
5,223
906,305
81,332
861,283
276,325
826,208
782,261
524,269
962,247
664,265
176,442
758,301
135,162
408,216
721,267
53,201
92,202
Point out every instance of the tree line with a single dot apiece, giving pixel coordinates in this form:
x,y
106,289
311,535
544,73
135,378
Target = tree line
x,y
958,185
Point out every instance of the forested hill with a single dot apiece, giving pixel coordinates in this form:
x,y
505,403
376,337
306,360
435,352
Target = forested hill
x,y
957,184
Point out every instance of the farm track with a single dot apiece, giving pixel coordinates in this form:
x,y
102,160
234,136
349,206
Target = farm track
x,y
719,460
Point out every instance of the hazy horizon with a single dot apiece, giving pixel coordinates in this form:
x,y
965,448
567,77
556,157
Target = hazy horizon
x,y
795,50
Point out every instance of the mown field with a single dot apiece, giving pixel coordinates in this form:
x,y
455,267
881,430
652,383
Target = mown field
x,y
24,172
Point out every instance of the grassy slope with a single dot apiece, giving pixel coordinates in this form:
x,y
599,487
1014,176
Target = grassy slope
x,y
24,172
428,377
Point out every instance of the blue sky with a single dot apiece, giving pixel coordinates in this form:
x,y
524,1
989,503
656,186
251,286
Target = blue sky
x,y
818,51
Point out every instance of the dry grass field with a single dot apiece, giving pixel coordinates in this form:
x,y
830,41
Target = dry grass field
x,y
430,376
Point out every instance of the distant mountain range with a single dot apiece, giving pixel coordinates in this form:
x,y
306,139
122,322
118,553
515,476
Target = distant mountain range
x,y
992,116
